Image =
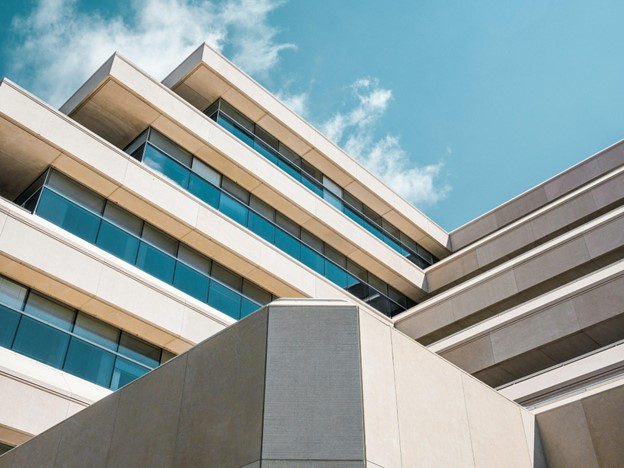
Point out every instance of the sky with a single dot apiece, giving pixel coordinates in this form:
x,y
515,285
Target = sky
x,y
458,106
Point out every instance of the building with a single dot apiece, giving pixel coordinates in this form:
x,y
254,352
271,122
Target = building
x,y
143,218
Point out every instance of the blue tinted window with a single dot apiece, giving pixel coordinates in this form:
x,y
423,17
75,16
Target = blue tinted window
x,y
125,372
224,299
262,227
166,166
241,135
89,362
234,209
41,342
138,350
248,307
288,243
191,281
9,320
117,242
68,215
204,191
336,274
155,262
312,259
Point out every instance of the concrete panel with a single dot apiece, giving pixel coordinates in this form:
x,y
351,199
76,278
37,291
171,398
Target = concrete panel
x,y
381,423
506,243
221,419
604,413
496,427
566,437
484,294
521,206
600,303
430,401
563,214
37,452
147,418
311,464
532,332
313,402
472,231
85,439
551,263
610,191
472,356
605,238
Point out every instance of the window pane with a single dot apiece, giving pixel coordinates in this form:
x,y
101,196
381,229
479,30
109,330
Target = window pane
x,y
96,331
89,362
75,192
12,294
288,244
191,282
224,300
311,185
234,130
41,342
265,210
49,311
266,151
139,350
166,356
235,190
288,169
262,227
248,307
233,209
256,293
172,149
68,216
117,242
336,274
123,219
333,199
227,277
312,259
125,372
155,262
165,165
8,325
160,240
206,172
288,225
194,259
204,191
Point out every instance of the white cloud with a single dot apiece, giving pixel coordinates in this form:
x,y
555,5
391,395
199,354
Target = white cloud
x,y
384,157
62,45
297,102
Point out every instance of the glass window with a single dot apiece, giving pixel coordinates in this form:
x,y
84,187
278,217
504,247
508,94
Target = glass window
x,y
125,372
191,282
255,293
333,200
155,262
267,138
122,218
312,259
96,331
247,307
68,215
243,121
194,258
225,300
225,276
9,320
50,311
137,143
265,210
166,356
204,191
75,192
206,172
290,155
138,350
262,227
234,209
159,239
288,244
118,242
42,342
12,294
332,186
288,225
174,150
167,166
89,362
310,239
235,129
288,168
335,256
235,190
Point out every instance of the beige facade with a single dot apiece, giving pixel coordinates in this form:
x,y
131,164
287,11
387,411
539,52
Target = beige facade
x,y
526,298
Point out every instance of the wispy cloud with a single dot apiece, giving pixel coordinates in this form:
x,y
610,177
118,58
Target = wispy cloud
x,y
60,45
297,101
354,130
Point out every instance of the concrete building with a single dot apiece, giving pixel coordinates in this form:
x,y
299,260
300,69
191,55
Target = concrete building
x,y
143,218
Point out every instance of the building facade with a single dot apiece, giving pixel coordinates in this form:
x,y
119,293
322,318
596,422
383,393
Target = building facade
x,y
144,217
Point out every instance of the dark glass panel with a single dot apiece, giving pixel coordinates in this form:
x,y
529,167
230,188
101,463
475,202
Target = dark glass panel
x,y
312,259
262,227
50,311
96,331
68,215
138,350
288,244
225,300
248,307
336,274
191,281
125,372
117,242
233,209
155,262
89,362
9,319
204,191
170,168
234,130
41,342
12,294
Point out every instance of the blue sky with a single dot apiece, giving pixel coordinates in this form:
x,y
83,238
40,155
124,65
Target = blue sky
x,y
458,105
